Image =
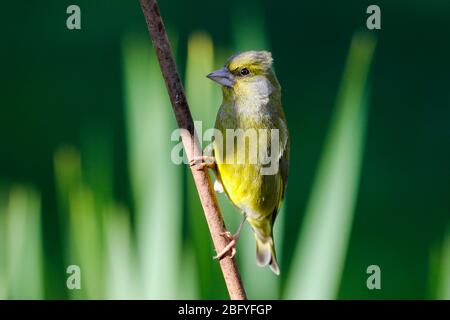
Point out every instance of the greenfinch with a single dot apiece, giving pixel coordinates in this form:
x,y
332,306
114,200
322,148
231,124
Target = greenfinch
x,y
251,101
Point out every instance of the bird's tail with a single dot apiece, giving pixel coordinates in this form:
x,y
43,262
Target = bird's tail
x,y
265,254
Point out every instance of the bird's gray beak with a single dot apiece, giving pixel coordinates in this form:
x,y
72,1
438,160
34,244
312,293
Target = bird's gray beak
x,y
222,77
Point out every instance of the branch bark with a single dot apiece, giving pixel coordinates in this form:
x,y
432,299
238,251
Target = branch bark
x,y
191,144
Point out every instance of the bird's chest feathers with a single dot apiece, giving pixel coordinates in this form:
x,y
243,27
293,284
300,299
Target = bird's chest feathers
x,y
248,107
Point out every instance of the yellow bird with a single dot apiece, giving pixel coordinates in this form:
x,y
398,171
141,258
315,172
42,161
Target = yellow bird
x,y
251,104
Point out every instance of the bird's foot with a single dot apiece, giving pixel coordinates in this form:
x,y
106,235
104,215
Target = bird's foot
x,y
229,248
202,162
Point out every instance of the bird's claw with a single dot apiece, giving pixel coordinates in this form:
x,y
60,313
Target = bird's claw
x,y
201,162
230,247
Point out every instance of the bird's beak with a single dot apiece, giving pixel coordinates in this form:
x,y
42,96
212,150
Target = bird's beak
x,y
222,77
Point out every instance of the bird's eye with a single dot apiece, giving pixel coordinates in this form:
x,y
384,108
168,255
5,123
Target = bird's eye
x,y
244,72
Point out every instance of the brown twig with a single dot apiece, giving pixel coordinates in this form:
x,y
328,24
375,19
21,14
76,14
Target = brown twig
x,y
191,144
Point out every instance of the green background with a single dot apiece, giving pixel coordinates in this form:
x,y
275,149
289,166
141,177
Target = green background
x,y
69,88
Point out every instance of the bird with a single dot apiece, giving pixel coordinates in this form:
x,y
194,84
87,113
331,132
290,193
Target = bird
x,y
251,103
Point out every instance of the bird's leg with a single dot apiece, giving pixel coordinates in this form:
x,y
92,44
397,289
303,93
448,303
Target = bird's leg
x,y
239,229
231,246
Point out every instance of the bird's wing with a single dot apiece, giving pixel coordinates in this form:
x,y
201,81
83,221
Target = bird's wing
x,y
284,152
283,161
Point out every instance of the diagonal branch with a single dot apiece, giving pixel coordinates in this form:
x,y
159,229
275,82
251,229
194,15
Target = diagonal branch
x,y
191,144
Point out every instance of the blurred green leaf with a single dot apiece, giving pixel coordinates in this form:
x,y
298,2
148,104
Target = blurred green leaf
x,y
121,268
86,244
156,181
23,245
322,246
440,271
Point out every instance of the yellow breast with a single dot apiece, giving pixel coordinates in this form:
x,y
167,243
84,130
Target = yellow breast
x,y
240,173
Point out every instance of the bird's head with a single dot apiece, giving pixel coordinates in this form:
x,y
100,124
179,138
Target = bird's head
x,y
247,73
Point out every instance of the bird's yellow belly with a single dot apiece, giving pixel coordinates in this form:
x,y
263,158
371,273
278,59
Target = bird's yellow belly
x,y
255,194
